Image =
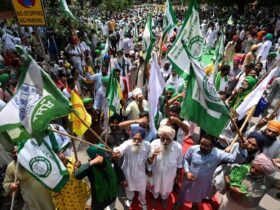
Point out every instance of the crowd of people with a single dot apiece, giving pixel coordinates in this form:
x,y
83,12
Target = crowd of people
x,y
143,161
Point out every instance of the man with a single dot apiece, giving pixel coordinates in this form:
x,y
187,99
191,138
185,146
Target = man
x,y
102,176
180,126
166,161
265,48
139,104
251,56
222,80
166,70
174,80
135,152
247,85
272,146
122,63
200,163
101,102
230,50
96,78
115,135
143,121
33,192
246,190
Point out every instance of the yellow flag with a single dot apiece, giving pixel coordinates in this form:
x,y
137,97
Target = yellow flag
x,y
78,127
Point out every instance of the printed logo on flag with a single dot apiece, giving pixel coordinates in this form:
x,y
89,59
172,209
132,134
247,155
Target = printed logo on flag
x,y
40,166
29,95
196,47
210,90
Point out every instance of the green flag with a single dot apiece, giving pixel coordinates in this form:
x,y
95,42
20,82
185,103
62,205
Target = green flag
x,y
219,53
230,21
114,94
43,164
36,102
64,8
202,103
191,36
148,40
169,18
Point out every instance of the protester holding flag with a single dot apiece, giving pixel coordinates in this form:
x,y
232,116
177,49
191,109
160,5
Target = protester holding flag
x,y
34,193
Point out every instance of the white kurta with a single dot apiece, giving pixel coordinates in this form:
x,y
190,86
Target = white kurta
x,y
165,167
134,165
264,50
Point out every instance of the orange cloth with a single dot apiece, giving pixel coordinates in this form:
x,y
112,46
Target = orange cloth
x,y
274,125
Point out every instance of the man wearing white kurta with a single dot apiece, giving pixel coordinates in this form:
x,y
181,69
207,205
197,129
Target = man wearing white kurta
x,y
135,152
166,163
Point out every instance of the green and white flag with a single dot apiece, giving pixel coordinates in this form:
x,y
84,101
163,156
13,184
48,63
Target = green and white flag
x,y
64,8
190,36
219,53
230,21
202,104
169,18
114,94
135,32
148,40
106,48
43,164
36,102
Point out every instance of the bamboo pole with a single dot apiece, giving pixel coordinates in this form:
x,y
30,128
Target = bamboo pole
x,y
93,132
15,181
239,131
81,140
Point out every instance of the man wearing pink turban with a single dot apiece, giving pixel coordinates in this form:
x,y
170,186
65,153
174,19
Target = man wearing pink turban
x,y
247,185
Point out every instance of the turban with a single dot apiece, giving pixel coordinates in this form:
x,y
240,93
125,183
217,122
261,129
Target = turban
x,y
4,78
87,101
272,55
254,47
136,92
264,164
166,130
164,49
260,138
106,56
92,151
268,36
97,52
105,79
170,88
235,38
274,125
251,81
138,129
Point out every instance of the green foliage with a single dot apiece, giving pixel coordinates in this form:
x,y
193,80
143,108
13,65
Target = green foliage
x,y
115,5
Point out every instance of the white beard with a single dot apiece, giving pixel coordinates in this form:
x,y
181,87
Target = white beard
x,y
136,148
164,150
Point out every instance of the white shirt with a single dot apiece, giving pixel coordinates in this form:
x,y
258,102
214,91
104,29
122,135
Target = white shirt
x,y
165,166
134,165
8,41
264,50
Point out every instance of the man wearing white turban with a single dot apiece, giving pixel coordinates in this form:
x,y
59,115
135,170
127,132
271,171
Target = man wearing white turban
x,y
248,186
166,161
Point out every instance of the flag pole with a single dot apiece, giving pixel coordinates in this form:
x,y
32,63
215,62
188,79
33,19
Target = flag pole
x,y
15,181
239,131
92,131
81,140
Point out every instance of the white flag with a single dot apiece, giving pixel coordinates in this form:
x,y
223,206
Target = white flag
x,y
189,38
148,40
156,86
253,98
169,18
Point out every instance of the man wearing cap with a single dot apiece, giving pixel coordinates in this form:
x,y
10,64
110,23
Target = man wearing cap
x,y
166,161
247,86
265,47
135,152
139,104
96,78
248,184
